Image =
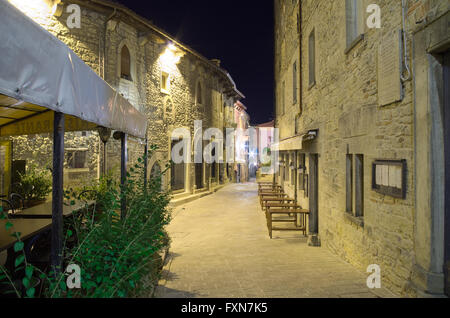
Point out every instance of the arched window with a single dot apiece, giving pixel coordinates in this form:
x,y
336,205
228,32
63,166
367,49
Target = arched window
x,y
156,172
155,175
199,94
125,63
169,109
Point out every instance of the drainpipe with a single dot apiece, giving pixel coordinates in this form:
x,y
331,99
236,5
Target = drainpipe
x,y
296,174
300,63
275,88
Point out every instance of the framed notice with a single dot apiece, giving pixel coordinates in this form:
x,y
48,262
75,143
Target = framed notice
x,y
389,177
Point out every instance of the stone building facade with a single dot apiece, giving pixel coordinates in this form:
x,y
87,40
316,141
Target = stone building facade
x,y
171,84
354,103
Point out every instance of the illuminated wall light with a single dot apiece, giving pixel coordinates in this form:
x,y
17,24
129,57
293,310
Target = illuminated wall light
x,y
38,10
171,56
57,9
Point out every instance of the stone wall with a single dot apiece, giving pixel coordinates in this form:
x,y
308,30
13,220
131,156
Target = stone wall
x,y
343,105
99,42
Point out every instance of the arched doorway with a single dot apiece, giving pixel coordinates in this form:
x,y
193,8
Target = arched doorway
x,y
213,166
155,174
199,175
177,171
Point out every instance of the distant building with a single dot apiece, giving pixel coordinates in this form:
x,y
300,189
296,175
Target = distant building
x,y
265,138
242,120
363,116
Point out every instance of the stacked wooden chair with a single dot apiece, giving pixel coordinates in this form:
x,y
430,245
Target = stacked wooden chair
x,y
275,203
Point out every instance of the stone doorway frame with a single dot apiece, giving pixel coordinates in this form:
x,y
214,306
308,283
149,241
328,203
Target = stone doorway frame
x,y
446,64
430,42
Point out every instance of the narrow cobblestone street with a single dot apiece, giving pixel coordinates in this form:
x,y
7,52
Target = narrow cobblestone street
x,y
221,248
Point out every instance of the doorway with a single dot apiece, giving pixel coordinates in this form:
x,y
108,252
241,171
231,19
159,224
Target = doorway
x,y
446,70
177,172
313,238
199,175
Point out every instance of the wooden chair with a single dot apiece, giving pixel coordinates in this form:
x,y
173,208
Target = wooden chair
x,y
295,215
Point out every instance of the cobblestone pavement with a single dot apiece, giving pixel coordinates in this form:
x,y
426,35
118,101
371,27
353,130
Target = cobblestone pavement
x,y
221,248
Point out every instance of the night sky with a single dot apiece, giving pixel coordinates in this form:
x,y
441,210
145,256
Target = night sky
x,y
238,32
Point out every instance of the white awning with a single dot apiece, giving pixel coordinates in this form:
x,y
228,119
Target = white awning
x,y
38,72
295,142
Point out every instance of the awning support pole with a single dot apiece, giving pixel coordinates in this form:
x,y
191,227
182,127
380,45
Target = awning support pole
x,y
57,195
145,164
123,172
104,160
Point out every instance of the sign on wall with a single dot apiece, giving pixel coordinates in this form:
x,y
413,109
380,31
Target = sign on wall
x,y
389,69
389,177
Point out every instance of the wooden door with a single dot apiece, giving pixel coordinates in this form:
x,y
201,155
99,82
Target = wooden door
x,y
199,175
177,174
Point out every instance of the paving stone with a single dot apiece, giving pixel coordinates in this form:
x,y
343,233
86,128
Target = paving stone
x,y
224,251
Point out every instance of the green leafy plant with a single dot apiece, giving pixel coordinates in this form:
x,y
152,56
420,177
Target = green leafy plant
x,y
117,255
34,185
20,264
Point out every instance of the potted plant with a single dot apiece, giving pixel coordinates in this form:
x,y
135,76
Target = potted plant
x,y
34,186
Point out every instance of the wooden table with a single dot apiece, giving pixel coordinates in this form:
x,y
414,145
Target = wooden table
x,y
282,205
44,211
27,227
296,211
266,199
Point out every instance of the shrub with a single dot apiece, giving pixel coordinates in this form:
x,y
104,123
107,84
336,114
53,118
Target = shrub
x,y
115,253
34,185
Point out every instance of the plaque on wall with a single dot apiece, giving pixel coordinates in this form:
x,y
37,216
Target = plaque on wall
x,y
389,177
389,69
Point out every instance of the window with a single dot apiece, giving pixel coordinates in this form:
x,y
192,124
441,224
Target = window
x,y
155,173
359,185
355,185
76,158
199,95
349,184
312,58
168,109
294,83
125,63
352,22
165,82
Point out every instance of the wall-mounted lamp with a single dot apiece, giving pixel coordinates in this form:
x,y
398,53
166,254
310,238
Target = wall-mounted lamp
x,y
171,55
104,133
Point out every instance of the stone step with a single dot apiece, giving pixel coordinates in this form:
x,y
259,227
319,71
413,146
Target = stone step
x,y
177,201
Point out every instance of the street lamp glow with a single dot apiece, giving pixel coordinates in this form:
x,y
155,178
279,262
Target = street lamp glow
x,y
170,57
